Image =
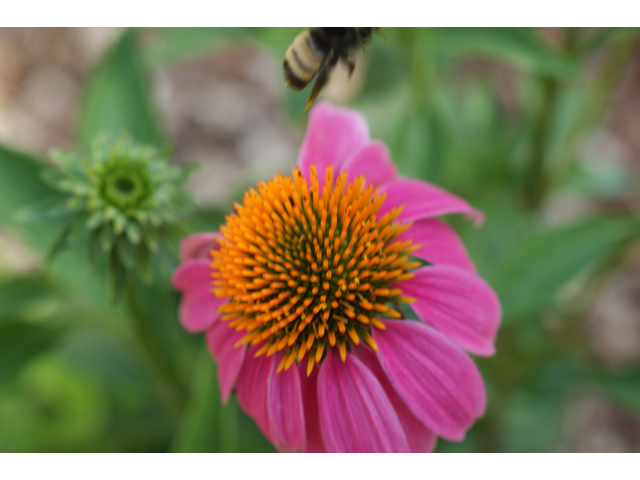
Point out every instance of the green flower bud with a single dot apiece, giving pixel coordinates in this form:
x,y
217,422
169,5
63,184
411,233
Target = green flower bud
x,y
125,200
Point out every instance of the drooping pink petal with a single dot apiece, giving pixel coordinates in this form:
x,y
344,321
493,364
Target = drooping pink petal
x,y
198,245
459,304
309,387
333,135
193,276
221,340
437,381
355,413
374,162
251,388
199,306
420,438
440,244
285,409
198,311
424,200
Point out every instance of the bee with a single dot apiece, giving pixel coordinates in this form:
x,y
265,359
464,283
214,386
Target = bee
x,y
316,51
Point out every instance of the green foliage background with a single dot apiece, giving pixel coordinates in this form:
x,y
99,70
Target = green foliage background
x,y
78,373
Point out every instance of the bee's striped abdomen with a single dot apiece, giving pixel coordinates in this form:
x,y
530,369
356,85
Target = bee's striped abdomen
x,y
302,60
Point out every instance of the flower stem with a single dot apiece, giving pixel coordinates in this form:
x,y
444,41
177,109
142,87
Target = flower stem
x,y
171,386
536,178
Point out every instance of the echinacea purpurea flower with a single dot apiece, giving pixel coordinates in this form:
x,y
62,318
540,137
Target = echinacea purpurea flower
x,y
300,293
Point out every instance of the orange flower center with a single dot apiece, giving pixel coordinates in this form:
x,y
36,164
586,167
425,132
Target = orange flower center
x,y
306,270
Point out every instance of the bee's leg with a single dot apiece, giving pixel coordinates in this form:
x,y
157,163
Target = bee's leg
x,y
382,34
323,75
351,64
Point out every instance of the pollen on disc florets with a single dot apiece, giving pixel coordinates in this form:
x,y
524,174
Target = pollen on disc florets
x,y
309,269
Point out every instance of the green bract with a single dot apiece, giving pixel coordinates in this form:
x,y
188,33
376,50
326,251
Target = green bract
x,y
122,200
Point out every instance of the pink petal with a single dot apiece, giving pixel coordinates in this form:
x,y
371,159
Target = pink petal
x,y
198,311
420,438
285,409
309,387
221,340
198,245
374,162
193,276
440,244
459,304
355,413
251,388
423,200
333,135
437,381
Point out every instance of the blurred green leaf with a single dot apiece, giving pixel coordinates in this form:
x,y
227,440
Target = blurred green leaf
x,y
277,40
105,357
197,431
529,279
521,46
599,178
411,153
209,426
624,388
532,422
602,35
597,95
17,294
206,220
174,44
51,408
531,418
118,97
20,184
20,343
138,420
384,69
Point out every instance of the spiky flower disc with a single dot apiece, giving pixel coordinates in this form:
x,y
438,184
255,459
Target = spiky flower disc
x,y
307,269
124,198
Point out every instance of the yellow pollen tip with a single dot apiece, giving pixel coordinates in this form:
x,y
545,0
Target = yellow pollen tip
x,y
310,363
342,348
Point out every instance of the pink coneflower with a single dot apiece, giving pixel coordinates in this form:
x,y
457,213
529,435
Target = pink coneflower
x,y
300,294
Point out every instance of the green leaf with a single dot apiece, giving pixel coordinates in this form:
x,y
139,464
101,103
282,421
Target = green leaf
x,y
197,429
17,294
117,97
209,426
624,388
174,44
529,279
51,408
602,35
532,422
205,220
20,343
20,184
276,39
521,46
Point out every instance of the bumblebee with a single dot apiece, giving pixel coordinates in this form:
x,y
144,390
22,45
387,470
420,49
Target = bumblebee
x,y
316,51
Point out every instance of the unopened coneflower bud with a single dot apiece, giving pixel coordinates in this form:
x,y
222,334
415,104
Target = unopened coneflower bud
x,y
122,201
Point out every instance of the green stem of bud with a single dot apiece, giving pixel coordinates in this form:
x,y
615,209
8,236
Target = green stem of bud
x,y
173,390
